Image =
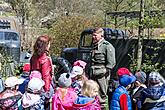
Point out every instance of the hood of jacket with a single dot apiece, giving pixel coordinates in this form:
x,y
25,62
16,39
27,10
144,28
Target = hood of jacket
x,y
84,100
154,92
29,99
86,103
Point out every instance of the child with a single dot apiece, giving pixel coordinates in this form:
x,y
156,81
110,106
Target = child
x,y
78,78
88,100
64,96
139,87
25,76
10,97
32,98
37,74
121,99
153,96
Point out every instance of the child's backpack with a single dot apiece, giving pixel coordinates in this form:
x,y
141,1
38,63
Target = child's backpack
x,y
10,103
66,103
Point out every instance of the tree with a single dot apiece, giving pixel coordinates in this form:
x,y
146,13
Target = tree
x,y
21,9
140,35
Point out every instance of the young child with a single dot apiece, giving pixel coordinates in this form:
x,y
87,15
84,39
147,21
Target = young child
x,y
37,74
10,98
25,76
153,96
139,87
64,95
88,100
78,78
32,98
121,99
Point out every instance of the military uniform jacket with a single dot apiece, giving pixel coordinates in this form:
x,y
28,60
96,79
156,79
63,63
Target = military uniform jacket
x,y
103,56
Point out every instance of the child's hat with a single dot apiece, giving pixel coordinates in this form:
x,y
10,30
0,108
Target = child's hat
x,y
76,70
123,71
64,80
80,63
13,81
125,80
35,74
141,76
26,67
155,78
125,77
35,84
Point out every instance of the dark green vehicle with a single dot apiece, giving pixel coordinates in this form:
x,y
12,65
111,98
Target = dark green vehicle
x,y
126,50
83,52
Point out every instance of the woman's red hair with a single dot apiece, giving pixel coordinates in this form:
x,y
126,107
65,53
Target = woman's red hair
x,y
41,45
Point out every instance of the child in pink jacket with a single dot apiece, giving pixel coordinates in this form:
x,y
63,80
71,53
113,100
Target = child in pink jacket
x,y
64,96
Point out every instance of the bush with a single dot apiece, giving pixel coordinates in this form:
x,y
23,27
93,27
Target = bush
x,y
65,32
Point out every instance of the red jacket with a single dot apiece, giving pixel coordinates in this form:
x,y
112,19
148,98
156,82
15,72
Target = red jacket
x,y
44,65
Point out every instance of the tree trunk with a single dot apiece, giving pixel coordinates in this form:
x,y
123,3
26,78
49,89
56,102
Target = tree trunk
x,y
140,35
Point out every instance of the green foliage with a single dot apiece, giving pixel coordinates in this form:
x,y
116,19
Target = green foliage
x,y
149,64
133,66
5,61
66,31
153,21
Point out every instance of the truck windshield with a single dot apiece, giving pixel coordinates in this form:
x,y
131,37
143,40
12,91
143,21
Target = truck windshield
x,y
87,40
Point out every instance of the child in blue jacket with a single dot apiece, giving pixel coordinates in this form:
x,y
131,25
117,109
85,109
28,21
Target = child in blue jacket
x,y
121,99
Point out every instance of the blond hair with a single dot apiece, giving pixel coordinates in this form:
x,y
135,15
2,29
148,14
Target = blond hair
x,y
99,30
90,88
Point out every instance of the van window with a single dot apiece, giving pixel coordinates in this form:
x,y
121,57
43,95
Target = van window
x,y
11,36
1,35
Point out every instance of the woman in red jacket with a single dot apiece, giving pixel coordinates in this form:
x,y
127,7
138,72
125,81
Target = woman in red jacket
x,y
41,62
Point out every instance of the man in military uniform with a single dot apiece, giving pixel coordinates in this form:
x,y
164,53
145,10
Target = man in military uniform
x,y
103,60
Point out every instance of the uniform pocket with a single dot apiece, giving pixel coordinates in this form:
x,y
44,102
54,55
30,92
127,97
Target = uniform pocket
x,y
99,56
98,70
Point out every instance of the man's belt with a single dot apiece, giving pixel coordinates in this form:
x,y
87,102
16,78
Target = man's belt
x,y
98,64
99,71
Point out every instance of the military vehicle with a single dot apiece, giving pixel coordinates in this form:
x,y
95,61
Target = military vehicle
x,y
83,52
126,49
10,46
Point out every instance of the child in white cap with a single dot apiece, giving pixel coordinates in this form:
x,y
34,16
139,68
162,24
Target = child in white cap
x,y
32,98
64,96
78,78
80,63
10,97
